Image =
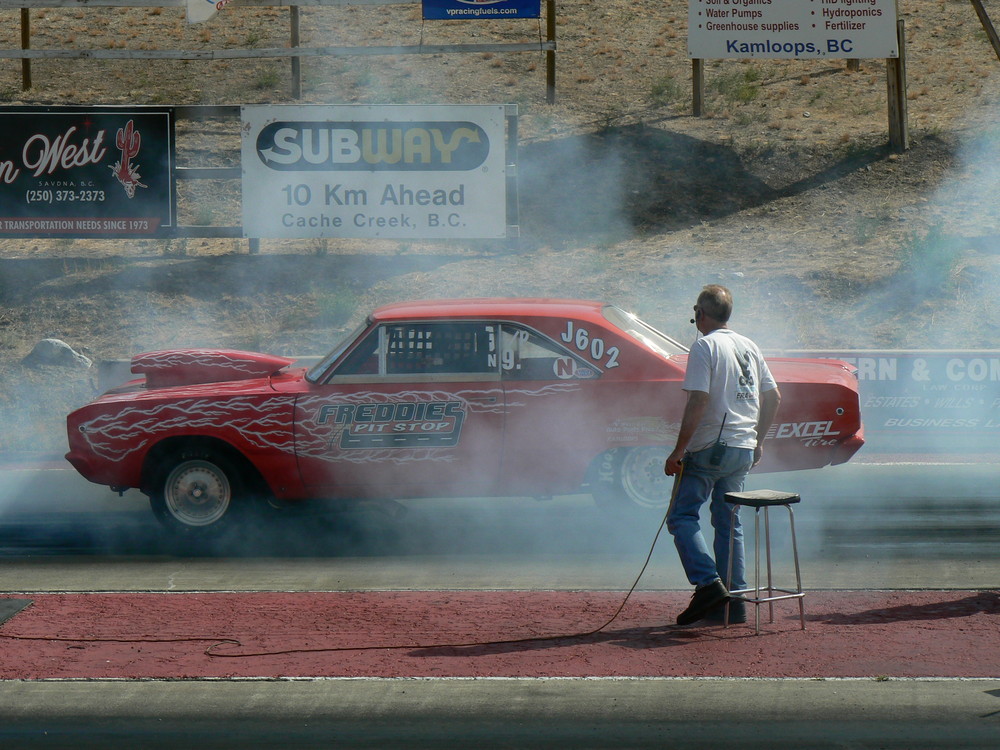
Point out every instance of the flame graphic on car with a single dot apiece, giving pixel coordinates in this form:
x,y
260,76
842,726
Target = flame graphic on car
x,y
261,422
268,422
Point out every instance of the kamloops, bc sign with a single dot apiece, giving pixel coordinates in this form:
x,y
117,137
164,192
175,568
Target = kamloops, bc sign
x,y
927,401
802,29
86,172
374,171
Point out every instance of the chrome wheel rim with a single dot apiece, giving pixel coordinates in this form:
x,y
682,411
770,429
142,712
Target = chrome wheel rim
x,y
197,493
643,479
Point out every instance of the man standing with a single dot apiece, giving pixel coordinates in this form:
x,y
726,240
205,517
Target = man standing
x,y
731,402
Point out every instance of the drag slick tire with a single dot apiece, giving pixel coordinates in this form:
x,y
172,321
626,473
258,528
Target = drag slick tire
x,y
631,480
200,492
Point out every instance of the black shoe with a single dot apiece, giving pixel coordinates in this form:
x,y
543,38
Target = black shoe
x,y
704,599
737,612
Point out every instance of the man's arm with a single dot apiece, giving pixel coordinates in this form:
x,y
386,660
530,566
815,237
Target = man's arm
x,y
694,409
769,402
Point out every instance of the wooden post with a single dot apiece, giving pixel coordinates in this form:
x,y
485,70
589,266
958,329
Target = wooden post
x,y
550,55
895,71
25,44
697,87
296,61
984,19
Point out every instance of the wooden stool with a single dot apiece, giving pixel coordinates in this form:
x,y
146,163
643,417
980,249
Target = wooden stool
x,y
758,500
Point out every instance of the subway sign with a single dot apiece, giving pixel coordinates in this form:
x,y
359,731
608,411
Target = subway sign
x,y
391,171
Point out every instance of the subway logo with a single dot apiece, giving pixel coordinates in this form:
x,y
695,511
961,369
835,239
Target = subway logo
x,y
372,146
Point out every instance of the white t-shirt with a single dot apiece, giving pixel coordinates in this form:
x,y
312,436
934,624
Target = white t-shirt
x,y
732,371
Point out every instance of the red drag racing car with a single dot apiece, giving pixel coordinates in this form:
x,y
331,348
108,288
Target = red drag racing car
x,y
470,398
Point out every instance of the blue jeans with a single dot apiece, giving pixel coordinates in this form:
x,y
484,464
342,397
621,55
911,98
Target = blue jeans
x,y
701,482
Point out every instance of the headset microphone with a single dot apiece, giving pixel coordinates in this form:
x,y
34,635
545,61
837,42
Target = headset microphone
x,y
692,320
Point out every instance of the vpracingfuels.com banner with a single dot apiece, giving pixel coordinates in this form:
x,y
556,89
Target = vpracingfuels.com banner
x,y
472,9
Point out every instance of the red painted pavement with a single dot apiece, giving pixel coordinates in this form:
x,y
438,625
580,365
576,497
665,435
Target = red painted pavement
x,y
437,634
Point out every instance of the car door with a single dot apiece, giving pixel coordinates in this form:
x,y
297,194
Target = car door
x,y
415,409
553,429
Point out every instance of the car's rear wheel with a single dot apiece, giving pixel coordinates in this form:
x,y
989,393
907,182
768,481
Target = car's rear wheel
x,y
631,479
199,493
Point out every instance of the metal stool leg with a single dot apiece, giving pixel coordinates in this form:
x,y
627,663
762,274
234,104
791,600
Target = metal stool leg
x,y
798,574
756,568
770,575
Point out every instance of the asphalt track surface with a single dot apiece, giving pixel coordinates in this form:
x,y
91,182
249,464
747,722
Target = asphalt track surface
x,y
146,647
501,713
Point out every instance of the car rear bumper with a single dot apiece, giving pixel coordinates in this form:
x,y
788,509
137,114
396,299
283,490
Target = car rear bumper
x,y
848,448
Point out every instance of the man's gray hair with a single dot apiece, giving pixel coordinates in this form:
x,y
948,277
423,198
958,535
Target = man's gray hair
x,y
717,302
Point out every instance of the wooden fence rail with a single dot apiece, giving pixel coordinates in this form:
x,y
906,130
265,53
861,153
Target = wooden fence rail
x,y
294,52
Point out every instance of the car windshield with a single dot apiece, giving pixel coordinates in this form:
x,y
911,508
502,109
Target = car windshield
x,y
655,340
317,370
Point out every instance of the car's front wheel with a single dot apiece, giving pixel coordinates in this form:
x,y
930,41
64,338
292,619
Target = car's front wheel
x,y
631,479
199,493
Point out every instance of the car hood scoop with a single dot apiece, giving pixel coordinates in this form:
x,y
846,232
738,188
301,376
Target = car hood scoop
x,y
176,367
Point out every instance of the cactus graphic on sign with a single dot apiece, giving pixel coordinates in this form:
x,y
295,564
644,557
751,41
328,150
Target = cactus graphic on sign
x,y
128,140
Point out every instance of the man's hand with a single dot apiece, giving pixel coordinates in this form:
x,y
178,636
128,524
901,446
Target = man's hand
x,y
673,462
757,453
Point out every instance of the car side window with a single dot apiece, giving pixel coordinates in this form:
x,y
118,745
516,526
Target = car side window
x,y
434,348
364,359
425,348
526,355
